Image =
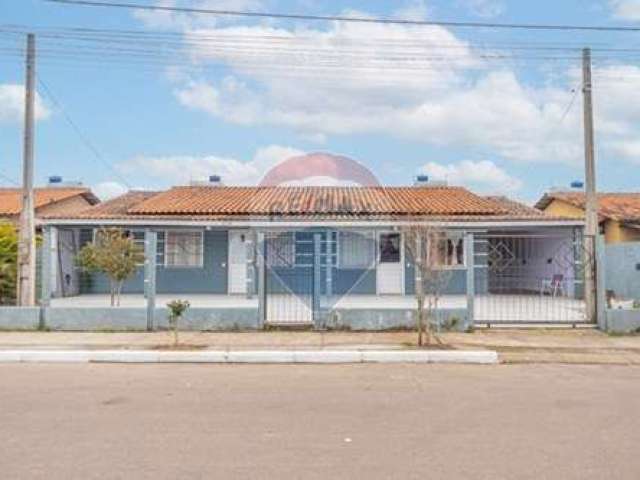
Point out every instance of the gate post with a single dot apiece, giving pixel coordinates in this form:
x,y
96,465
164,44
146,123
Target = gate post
x,y
261,253
317,265
601,297
48,272
471,279
150,252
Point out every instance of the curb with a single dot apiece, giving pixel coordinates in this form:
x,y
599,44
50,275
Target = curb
x,y
484,357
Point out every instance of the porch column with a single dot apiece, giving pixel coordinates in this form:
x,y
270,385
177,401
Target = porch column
x,y
317,265
251,251
261,251
47,272
471,278
150,252
601,296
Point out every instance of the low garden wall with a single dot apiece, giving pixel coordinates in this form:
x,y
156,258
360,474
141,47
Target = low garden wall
x,y
455,319
621,321
19,318
209,319
196,318
96,319
135,319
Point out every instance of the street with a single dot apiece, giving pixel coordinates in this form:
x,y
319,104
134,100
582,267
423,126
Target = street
x,y
345,421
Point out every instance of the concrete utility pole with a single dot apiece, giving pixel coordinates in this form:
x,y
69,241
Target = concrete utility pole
x,y
591,199
26,295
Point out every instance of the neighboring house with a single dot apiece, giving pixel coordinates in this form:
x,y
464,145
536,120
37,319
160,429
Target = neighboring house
x,y
619,213
47,201
317,255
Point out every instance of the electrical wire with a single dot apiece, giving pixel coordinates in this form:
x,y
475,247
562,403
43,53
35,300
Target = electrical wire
x,y
393,21
90,146
9,179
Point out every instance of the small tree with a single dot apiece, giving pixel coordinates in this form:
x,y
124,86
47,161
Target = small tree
x,y
8,262
176,310
425,245
114,254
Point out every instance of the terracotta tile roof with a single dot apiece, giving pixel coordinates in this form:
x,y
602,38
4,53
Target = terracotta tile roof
x,y
516,208
11,198
615,206
114,208
292,201
306,204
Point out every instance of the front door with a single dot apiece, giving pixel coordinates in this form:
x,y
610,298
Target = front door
x,y
390,272
238,261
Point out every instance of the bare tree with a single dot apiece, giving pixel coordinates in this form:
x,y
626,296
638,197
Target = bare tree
x,y
428,246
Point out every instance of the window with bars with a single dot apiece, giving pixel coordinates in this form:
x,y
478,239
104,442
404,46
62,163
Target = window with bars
x,y
160,246
297,249
183,249
281,250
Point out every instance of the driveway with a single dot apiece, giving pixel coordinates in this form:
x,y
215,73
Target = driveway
x,y
345,421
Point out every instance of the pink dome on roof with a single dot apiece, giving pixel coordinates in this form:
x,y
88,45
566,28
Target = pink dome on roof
x,y
338,168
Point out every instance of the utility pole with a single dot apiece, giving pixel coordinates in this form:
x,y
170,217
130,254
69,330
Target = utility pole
x,y
27,239
591,199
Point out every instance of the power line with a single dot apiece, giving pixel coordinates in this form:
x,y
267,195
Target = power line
x,y
393,21
81,135
9,179
570,105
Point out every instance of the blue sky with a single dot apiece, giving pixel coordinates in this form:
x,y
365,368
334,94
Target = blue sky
x,y
403,104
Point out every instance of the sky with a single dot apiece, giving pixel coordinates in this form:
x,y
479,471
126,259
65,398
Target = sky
x,y
497,111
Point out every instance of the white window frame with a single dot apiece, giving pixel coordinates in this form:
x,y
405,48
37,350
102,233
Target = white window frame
x,y
166,244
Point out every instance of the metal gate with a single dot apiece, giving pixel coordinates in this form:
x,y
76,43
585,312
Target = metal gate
x,y
531,278
289,278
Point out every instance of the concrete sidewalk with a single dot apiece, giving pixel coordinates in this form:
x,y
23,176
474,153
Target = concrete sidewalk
x,y
583,346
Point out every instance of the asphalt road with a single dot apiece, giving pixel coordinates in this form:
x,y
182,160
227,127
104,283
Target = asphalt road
x,y
350,421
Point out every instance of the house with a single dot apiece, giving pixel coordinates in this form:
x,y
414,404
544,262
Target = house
x,y
49,200
619,213
330,257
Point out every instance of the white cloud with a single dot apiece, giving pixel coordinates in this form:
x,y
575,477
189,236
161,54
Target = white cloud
x,y
172,20
107,190
626,9
413,10
423,84
482,176
182,169
484,8
12,104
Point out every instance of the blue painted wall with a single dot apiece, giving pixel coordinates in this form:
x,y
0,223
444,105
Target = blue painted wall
x,y
456,284
211,278
622,269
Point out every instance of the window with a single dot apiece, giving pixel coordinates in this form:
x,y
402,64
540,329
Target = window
x,y
137,236
389,248
356,250
160,248
138,240
297,249
281,250
447,250
183,249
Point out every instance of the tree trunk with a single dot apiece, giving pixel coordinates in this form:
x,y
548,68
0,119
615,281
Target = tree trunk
x,y
173,324
427,326
419,320
112,292
118,291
